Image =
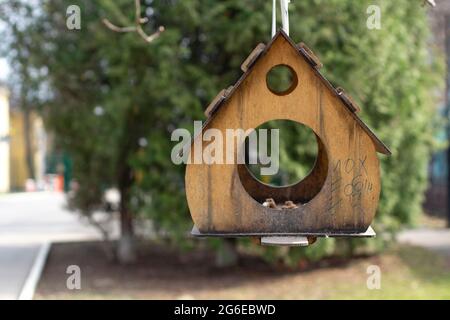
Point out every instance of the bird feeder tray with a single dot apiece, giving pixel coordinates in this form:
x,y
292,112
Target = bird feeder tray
x,y
338,198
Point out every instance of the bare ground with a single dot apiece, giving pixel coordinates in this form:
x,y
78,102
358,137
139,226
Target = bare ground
x,y
164,273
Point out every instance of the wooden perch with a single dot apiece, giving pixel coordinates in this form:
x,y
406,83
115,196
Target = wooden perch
x,y
137,27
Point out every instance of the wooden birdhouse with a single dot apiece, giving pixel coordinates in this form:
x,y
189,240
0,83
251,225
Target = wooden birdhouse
x,y
340,195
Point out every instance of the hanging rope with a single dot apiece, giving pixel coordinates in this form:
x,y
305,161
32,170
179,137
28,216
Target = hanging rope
x,y
274,17
284,6
285,15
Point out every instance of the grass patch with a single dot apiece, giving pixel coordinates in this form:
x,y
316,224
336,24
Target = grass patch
x,y
407,273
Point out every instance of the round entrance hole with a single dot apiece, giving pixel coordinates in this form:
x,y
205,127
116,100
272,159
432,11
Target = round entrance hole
x,y
281,79
291,168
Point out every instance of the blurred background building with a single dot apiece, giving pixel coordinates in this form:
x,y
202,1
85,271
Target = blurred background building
x,y
15,169
436,201
19,170
4,140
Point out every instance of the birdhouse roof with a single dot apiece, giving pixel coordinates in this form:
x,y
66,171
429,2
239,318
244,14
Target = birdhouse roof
x,y
305,53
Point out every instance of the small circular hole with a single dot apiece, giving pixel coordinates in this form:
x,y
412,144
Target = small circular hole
x,y
281,79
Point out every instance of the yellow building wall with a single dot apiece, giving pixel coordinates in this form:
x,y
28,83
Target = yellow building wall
x,y
18,168
4,140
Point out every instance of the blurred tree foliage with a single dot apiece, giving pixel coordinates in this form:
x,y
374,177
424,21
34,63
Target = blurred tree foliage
x,y
113,99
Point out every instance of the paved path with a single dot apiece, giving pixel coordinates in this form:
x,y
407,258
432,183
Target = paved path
x,y
437,240
15,264
27,221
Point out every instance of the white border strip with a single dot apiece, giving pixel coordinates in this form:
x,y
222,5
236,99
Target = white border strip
x,y
33,277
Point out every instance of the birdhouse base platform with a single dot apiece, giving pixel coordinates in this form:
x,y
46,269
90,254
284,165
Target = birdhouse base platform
x,y
291,239
294,241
